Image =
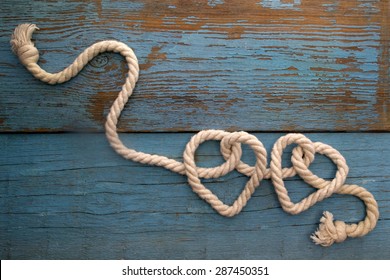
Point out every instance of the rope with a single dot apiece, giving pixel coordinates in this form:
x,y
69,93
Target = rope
x,y
329,231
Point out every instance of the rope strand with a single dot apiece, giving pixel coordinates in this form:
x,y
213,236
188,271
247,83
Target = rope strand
x,y
329,231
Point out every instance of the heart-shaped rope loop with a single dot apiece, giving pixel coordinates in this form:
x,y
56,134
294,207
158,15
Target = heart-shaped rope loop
x,y
230,164
303,154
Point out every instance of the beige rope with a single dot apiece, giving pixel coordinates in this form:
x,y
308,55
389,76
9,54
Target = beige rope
x,y
328,232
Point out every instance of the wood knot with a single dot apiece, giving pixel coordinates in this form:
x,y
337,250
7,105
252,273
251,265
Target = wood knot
x,y
99,61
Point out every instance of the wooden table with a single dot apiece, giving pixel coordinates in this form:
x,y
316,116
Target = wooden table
x,y
267,67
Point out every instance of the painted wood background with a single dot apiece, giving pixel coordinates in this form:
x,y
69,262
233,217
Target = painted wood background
x,y
264,66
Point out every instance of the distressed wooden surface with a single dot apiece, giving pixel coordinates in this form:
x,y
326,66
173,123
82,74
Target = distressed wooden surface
x,y
264,65
258,65
68,196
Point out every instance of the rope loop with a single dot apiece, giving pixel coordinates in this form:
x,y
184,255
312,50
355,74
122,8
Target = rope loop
x,y
303,154
234,140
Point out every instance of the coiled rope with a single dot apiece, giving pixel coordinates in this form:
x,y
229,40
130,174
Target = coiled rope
x,y
329,231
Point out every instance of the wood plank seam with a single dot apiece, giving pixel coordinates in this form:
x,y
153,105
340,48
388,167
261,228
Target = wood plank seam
x,y
328,232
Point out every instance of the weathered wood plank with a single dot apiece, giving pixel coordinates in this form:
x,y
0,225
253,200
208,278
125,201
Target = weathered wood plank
x,y
69,196
251,65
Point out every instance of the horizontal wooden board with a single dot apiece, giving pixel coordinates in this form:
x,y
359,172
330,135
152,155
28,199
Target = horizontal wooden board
x,y
70,196
267,65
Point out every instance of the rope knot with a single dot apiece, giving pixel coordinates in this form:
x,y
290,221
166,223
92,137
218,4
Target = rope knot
x,y
329,231
22,45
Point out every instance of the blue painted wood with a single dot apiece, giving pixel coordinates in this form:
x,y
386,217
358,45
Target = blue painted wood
x,y
69,196
250,65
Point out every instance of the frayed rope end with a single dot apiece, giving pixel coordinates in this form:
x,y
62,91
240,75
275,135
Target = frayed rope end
x,y
22,36
329,232
22,45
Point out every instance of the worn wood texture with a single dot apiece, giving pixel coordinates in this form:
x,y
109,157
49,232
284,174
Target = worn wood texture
x,y
264,65
257,65
69,196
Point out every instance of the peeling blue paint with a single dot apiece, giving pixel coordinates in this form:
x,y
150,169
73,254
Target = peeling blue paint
x,y
214,3
278,4
331,7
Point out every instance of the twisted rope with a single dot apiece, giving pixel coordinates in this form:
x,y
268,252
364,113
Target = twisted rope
x,y
329,231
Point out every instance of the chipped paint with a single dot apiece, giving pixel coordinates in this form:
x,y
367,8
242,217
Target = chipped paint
x,y
383,88
214,3
99,61
99,105
280,57
235,32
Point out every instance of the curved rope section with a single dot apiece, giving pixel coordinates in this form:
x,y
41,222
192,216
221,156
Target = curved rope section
x,y
303,154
